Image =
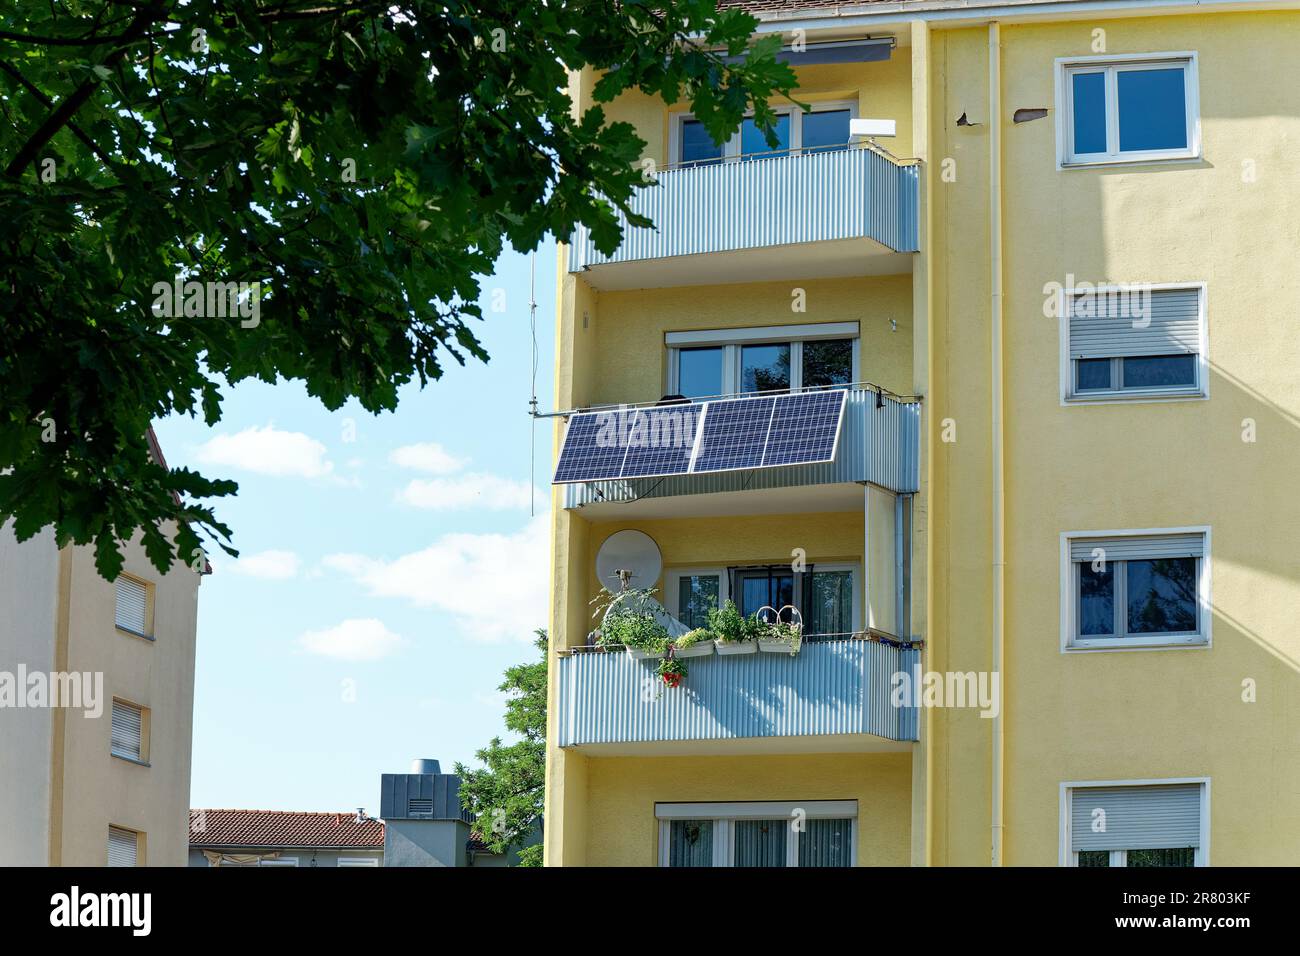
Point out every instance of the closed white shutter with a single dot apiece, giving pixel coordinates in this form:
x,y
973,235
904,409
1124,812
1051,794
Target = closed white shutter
x,y
1102,325
1139,547
121,847
1135,818
132,598
126,730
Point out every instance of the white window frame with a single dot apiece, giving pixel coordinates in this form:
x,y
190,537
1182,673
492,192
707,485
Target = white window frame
x,y
1071,643
857,576
731,148
731,341
1070,857
1111,66
1199,391
348,861
723,816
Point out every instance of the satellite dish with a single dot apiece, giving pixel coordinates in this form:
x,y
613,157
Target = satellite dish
x,y
633,551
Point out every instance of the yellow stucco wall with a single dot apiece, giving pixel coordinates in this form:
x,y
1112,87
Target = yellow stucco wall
x,y
622,792
1136,715
753,539
625,333
881,90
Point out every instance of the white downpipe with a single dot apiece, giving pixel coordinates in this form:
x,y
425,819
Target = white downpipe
x,y
999,491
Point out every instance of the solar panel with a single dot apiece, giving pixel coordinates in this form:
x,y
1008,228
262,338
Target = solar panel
x,y
805,428
593,448
661,440
726,435
734,434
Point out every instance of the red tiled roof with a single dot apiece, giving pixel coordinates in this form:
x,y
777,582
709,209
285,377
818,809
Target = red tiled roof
x,y
280,828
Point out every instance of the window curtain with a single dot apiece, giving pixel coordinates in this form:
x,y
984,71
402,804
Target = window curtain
x,y
826,843
690,843
760,842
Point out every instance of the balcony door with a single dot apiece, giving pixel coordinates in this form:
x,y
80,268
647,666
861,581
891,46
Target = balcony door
x,y
764,587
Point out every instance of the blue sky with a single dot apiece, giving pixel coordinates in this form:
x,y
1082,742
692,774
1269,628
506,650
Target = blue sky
x,y
389,570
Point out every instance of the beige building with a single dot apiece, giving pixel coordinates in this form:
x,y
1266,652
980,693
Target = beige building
x,y
96,707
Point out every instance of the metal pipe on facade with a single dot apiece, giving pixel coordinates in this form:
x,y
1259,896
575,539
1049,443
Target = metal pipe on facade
x,y
999,491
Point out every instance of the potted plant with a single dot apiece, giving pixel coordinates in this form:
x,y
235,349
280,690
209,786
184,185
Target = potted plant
x,y
781,638
671,670
642,636
696,643
736,633
629,621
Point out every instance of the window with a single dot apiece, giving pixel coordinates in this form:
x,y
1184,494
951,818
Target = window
x,y
829,606
699,372
764,587
760,834
1136,589
765,368
826,595
824,129
132,610
1133,342
1146,824
123,847
1129,109
358,861
127,734
697,147
707,364
696,593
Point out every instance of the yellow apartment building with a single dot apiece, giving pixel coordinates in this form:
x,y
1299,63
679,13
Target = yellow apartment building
x,y
97,771
989,372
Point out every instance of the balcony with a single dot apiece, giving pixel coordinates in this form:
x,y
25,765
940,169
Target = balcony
x,y
833,695
735,221
879,444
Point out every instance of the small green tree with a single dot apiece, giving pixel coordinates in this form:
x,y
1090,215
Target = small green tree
x,y
506,796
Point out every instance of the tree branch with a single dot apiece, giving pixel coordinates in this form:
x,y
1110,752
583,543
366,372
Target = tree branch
x,y
63,114
49,104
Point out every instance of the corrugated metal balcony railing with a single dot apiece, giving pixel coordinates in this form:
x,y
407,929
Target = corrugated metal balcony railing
x,y
829,687
779,200
879,443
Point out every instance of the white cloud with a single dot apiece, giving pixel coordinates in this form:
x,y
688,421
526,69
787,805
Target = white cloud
x,y
494,586
268,451
472,490
267,565
356,639
427,456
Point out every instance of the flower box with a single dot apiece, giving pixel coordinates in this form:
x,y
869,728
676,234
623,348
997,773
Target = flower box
x,y
736,647
777,647
641,654
702,649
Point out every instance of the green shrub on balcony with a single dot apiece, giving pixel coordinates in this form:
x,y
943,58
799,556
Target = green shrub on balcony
x,y
731,626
